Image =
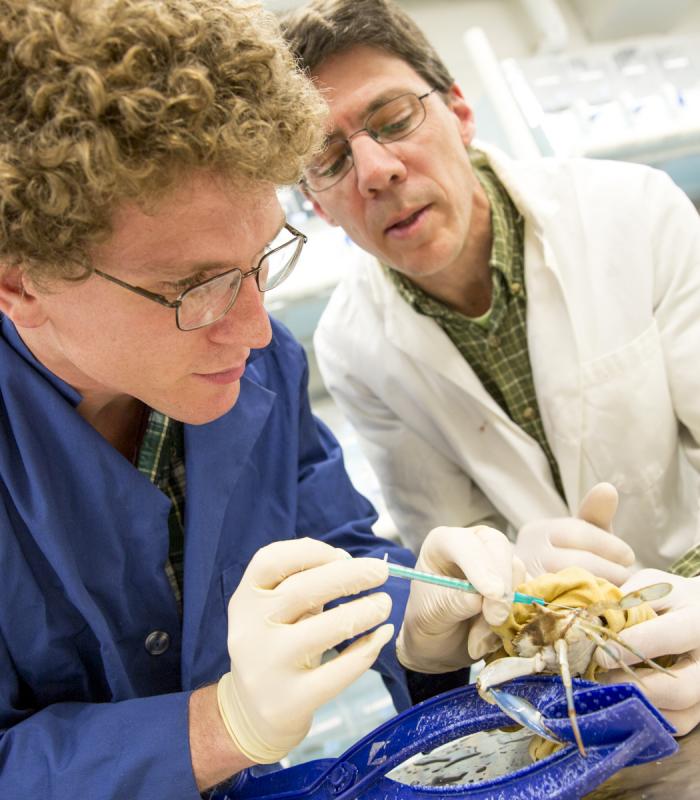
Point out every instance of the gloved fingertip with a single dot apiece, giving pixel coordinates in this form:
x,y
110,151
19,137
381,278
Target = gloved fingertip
x,y
379,568
483,645
383,602
371,571
496,612
385,633
492,588
519,571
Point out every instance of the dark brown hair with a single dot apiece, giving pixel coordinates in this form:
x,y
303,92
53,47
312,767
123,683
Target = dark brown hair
x,y
322,28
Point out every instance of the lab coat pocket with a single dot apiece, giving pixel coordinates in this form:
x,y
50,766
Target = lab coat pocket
x,y
629,426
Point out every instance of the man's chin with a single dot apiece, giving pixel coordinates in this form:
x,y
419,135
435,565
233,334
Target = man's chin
x,y
204,412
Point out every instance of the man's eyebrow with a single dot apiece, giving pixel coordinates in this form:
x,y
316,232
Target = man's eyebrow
x,y
197,268
382,99
201,270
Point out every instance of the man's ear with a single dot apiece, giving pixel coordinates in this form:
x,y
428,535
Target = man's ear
x,y
459,107
18,298
318,209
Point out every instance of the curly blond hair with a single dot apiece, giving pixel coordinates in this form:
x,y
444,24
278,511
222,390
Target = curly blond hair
x,y
107,100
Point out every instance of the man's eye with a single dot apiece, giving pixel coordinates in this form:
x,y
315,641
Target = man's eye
x,y
178,287
393,126
331,162
334,168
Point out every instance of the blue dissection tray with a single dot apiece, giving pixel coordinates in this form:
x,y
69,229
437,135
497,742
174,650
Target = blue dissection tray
x,y
618,725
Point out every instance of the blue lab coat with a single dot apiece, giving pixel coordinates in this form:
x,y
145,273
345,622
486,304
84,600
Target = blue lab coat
x,y
85,709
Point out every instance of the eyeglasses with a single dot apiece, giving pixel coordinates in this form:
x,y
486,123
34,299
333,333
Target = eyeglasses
x,y
394,120
207,302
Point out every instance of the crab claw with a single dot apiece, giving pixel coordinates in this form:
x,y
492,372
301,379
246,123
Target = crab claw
x,y
523,712
506,669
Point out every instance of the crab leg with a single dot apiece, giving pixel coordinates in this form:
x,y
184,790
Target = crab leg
x,y
563,658
594,637
587,625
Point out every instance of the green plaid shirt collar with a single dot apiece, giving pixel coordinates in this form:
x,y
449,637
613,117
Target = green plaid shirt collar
x,y
507,268
161,459
688,565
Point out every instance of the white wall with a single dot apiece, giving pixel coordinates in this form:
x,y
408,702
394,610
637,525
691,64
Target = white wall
x,y
510,30
444,23
512,33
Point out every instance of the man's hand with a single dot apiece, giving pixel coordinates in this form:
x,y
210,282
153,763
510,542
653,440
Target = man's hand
x,y
278,631
446,629
587,541
675,631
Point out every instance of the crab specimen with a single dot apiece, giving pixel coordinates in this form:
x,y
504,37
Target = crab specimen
x,y
561,637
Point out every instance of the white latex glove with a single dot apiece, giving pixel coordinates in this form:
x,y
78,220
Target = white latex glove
x,y
675,631
277,632
548,545
446,629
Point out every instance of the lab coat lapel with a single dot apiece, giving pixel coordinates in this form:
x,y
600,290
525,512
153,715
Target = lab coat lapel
x,y
422,339
213,470
554,359
551,341
555,352
104,520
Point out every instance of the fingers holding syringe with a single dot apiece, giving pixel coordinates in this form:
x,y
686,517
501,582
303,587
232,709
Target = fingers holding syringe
x,y
509,568
485,558
305,593
310,638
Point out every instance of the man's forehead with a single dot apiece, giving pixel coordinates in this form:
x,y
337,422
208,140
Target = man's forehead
x,y
200,222
355,81
354,108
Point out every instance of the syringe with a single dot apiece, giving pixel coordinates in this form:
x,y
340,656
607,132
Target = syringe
x,y
399,571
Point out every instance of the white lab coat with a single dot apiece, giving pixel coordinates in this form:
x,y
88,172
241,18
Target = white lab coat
x,y
612,271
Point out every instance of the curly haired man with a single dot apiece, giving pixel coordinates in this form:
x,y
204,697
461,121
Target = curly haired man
x,y
173,520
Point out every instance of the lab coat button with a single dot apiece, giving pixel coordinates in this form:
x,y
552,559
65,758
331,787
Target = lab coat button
x,y
157,642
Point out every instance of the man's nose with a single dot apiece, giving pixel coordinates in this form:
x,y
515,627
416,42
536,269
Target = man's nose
x,y
246,322
377,165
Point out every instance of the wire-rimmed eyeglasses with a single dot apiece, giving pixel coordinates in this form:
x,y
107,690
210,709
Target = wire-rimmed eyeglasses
x,y
396,119
207,302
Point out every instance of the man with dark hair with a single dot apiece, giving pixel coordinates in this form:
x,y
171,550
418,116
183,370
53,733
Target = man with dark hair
x,y
176,529
519,342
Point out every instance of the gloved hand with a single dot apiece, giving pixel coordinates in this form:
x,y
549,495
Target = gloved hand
x,y
587,541
277,632
446,629
676,630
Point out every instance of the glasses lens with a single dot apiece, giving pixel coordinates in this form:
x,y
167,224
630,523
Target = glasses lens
x,y
206,303
396,119
330,166
279,261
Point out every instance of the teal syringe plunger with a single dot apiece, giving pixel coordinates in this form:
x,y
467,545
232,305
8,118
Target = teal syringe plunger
x,y
399,571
